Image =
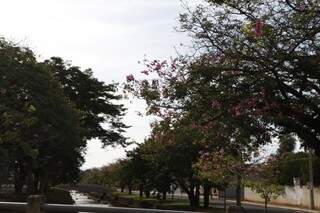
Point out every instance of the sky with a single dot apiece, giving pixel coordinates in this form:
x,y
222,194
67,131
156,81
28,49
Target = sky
x,y
109,36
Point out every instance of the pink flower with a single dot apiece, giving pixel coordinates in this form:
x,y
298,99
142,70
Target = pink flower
x,y
165,93
258,28
173,66
205,155
263,92
258,112
274,105
215,104
237,111
145,72
302,7
157,136
130,78
158,66
193,125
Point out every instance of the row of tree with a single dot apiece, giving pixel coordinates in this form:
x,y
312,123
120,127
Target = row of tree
x,y
48,111
160,167
253,76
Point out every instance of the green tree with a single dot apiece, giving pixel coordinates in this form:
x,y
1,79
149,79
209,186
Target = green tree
x,y
181,149
264,180
95,99
295,165
40,128
267,191
287,144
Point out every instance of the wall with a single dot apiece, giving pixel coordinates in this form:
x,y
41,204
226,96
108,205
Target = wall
x,y
293,196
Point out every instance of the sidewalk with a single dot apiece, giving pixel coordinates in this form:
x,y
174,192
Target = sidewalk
x,y
277,206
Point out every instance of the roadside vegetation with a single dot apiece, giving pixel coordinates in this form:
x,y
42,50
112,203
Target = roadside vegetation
x,y
48,111
251,79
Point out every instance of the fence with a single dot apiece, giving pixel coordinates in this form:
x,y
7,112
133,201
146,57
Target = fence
x,y
35,204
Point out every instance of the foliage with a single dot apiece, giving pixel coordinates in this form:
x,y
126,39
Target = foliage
x,y
263,180
36,121
252,76
94,99
266,190
47,112
265,57
295,165
287,144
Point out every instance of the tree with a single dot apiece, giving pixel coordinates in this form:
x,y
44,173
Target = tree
x,y
94,99
267,55
48,111
92,176
295,165
264,180
158,173
266,191
287,144
180,150
37,121
141,169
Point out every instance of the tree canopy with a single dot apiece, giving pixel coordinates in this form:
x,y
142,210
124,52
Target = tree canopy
x,y
48,111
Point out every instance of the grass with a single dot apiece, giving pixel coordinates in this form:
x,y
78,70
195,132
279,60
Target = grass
x,y
182,204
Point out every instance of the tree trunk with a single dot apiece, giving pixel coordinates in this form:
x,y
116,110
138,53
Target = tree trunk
x,y
147,193
158,195
266,205
238,190
130,188
192,199
141,190
190,192
206,195
164,195
18,185
122,188
197,196
225,199
36,183
19,177
29,181
44,182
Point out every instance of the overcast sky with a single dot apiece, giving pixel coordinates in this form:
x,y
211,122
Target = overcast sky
x,y
109,36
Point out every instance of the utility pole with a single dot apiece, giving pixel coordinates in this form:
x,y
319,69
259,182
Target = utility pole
x,y
311,179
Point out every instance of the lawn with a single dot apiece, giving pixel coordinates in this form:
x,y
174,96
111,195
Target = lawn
x,y
125,200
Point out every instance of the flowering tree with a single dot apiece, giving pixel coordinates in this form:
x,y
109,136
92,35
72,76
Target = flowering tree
x,y
265,56
254,73
180,91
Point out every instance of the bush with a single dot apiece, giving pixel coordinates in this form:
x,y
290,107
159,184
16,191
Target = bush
x,y
59,196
